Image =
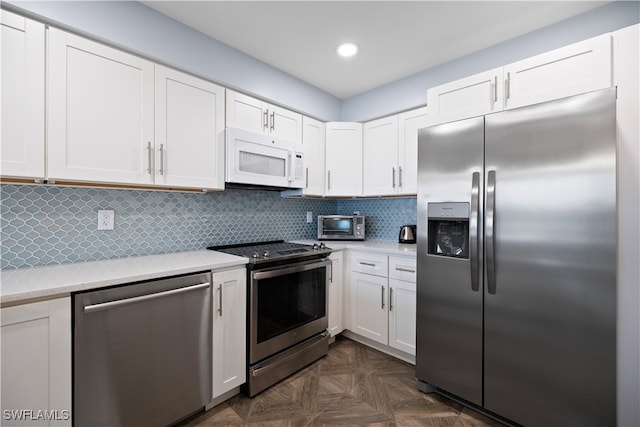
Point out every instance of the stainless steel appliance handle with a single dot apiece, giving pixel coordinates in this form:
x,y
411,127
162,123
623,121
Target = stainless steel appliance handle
x,y
382,297
278,271
220,299
474,253
112,304
490,232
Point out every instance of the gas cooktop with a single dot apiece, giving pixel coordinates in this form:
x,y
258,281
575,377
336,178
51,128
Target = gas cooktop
x,y
274,251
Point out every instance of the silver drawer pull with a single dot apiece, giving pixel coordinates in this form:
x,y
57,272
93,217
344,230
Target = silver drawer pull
x,y
368,264
405,270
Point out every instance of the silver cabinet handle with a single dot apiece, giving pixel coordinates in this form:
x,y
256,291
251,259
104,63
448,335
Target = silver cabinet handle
x,y
149,159
400,176
220,299
382,296
162,151
331,271
273,120
118,303
508,88
265,119
474,253
328,180
390,299
489,231
406,270
393,177
368,264
306,179
495,89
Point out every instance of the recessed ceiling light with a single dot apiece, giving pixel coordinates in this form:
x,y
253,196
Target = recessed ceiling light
x,y
347,49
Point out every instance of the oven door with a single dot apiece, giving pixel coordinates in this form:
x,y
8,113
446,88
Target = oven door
x,y
287,304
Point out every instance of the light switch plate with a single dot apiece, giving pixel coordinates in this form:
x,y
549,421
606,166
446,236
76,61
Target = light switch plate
x,y
106,219
309,217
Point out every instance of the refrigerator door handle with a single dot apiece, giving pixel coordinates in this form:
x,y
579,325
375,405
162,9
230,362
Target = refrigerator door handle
x,y
490,232
473,231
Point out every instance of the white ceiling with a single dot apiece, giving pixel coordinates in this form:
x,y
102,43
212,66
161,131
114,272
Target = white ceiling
x,y
396,38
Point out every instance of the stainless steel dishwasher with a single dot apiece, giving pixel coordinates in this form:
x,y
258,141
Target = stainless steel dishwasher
x,y
142,352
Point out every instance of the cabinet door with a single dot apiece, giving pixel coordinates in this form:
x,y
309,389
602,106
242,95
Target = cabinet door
x,y
336,298
370,295
36,361
189,131
468,97
229,330
22,97
100,107
313,139
408,125
247,113
380,165
571,70
402,315
285,124
344,159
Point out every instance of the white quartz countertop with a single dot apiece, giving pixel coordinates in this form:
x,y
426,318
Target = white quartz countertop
x,y
388,247
47,282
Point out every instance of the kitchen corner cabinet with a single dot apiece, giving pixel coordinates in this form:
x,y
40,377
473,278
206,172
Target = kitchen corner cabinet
x,y
229,330
313,140
344,159
571,70
382,299
252,114
390,149
36,361
118,118
23,91
336,294
189,131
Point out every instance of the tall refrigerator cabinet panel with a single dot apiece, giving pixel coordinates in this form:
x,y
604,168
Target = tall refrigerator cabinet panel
x,y
531,245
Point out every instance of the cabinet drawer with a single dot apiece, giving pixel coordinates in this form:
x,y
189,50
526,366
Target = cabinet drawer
x,y
402,268
368,263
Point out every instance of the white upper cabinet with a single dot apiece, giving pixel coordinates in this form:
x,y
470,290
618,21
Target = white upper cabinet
x,y
408,124
189,131
380,165
100,105
313,139
246,112
468,97
23,104
571,70
344,159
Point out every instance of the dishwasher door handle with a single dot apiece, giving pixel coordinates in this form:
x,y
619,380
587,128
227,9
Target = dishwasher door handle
x,y
118,303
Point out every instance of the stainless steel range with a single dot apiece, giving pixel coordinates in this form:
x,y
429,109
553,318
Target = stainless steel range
x,y
286,308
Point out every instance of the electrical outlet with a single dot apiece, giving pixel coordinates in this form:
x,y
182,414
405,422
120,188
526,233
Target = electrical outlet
x,y
106,219
309,217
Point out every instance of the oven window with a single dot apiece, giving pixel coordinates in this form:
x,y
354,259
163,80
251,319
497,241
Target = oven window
x,y
289,301
340,227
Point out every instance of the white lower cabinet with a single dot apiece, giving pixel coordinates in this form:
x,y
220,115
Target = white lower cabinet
x,y
36,364
229,330
335,294
382,299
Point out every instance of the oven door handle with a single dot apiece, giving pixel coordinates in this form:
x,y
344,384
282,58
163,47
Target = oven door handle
x,y
282,271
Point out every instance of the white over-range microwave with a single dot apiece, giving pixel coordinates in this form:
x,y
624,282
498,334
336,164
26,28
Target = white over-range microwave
x,y
258,159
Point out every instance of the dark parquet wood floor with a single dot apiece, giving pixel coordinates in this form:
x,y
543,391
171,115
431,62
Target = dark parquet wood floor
x,y
352,386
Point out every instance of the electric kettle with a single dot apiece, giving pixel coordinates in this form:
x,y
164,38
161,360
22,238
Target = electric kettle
x,y
407,234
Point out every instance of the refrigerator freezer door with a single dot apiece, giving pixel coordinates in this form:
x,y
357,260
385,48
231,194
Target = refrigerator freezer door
x,y
449,315
550,303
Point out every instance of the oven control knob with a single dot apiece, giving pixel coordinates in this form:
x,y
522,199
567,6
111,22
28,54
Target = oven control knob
x,y
323,246
266,254
315,246
255,255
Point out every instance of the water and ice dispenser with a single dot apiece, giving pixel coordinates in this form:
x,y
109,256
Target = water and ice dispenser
x,y
448,229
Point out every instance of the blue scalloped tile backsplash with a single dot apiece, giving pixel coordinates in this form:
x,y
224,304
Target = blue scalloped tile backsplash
x,y
44,225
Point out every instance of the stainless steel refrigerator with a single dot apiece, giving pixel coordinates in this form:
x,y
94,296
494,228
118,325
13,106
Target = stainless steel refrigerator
x,y
516,304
